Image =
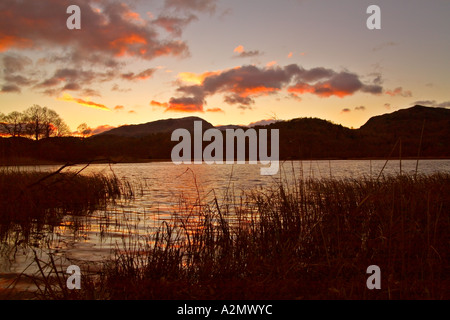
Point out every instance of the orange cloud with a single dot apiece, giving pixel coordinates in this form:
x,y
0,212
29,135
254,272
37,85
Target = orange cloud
x,y
181,107
239,49
159,104
290,55
8,41
101,129
215,110
115,31
67,97
271,63
194,78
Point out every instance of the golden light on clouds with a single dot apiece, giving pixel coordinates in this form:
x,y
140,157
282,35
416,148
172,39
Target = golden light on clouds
x,y
67,97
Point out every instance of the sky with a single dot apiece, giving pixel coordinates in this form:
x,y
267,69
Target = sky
x,y
226,61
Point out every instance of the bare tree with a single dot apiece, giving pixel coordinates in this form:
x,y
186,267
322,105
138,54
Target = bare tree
x,y
13,124
44,122
84,130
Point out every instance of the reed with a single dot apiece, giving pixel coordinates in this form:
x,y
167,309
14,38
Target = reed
x,y
310,240
30,200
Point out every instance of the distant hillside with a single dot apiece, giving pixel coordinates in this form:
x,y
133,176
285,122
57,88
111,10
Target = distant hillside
x,y
303,138
406,126
412,119
160,126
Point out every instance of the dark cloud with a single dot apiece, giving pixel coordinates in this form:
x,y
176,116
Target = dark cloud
x,y
10,88
72,87
399,92
242,53
174,25
360,108
241,85
110,31
248,54
186,104
346,110
140,76
13,63
236,99
114,30
19,80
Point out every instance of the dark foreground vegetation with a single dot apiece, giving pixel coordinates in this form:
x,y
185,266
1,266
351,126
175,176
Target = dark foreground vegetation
x,y
311,240
30,201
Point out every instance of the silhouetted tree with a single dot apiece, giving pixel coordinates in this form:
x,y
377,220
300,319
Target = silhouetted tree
x,y
44,122
84,130
13,124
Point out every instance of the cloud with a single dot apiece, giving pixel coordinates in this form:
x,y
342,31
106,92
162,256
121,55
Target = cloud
x,y
110,31
215,110
346,110
290,55
242,53
329,83
174,25
8,88
113,30
360,108
67,97
13,63
159,104
208,6
193,78
119,108
399,92
242,85
101,129
144,75
186,104
116,87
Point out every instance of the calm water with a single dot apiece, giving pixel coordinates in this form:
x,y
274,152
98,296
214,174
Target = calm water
x,y
162,186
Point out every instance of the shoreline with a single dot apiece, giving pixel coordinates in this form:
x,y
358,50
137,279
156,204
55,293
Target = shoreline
x,y
34,162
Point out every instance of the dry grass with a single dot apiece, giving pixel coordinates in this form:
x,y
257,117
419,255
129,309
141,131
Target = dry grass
x,y
311,240
31,200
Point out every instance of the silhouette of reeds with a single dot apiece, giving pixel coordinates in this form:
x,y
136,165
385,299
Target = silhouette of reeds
x,y
310,240
29,199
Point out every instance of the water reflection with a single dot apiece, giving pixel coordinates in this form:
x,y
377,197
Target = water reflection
x,y
167,193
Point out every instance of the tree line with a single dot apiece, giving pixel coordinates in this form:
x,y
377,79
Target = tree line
x,y
36,122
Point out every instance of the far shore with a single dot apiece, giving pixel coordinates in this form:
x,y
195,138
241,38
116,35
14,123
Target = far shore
x,y
37,162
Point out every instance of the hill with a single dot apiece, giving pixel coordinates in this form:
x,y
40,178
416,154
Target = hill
x,y
302,138
159,126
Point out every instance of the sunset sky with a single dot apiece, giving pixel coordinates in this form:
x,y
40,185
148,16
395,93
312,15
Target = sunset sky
x,y
227,61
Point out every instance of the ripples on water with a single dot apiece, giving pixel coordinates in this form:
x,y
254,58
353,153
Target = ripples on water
x,y
165,190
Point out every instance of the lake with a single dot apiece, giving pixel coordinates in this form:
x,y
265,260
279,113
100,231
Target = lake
x,y
165,191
